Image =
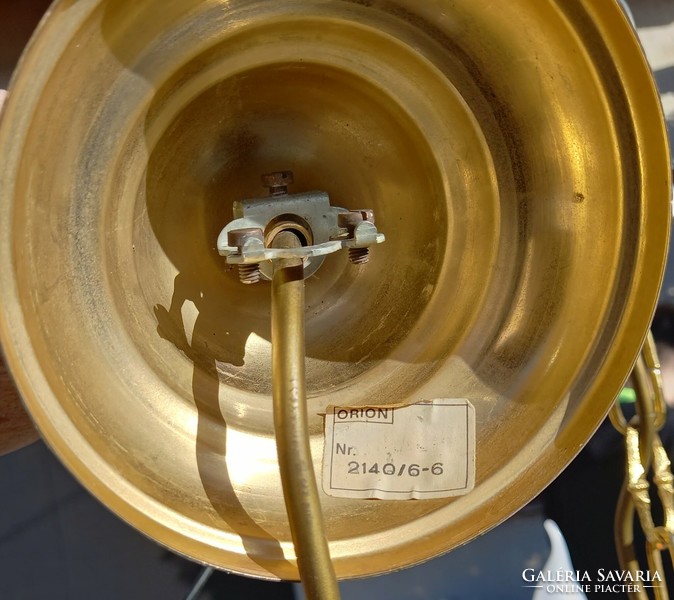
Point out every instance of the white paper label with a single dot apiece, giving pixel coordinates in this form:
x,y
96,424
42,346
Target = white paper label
x,y
426,450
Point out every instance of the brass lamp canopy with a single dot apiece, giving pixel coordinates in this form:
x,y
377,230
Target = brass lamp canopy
x,y
514,154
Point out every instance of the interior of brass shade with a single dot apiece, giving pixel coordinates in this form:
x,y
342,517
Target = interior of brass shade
x,y
515,158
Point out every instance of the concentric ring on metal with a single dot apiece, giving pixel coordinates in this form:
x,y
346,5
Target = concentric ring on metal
x,y
515,159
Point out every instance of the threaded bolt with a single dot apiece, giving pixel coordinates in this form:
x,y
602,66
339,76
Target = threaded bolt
x,y
277,182
249,273
349,221
359,256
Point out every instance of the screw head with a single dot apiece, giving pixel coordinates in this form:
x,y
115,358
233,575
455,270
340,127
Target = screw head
x,y
239,237
277,182
350,220
368,214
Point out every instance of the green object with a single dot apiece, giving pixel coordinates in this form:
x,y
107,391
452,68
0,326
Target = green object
x,y
627,396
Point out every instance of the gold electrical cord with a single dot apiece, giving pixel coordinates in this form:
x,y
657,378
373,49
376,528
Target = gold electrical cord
x,y
290,423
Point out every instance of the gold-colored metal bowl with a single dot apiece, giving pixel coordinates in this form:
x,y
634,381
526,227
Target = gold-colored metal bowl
x,y
514,155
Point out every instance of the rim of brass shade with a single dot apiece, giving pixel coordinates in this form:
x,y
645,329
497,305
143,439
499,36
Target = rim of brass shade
x,y
516,160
